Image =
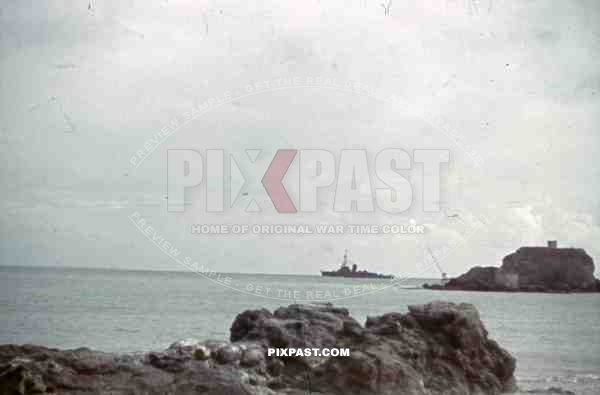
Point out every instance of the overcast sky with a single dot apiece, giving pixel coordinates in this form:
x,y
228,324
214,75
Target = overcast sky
x,y
82,90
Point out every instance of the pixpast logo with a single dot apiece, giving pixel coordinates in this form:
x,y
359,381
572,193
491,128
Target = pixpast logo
x,y
317,170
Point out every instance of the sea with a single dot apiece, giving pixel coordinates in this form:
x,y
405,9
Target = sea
x,y
555,338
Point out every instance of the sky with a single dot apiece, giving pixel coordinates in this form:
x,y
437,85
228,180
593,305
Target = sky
x,y
510,88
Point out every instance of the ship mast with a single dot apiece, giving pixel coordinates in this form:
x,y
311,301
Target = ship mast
x,y
345,261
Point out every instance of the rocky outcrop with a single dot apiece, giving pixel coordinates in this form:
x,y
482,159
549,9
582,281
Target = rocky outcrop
x,y
532,269
438,348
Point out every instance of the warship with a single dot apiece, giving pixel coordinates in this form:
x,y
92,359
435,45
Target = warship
x,y
346,271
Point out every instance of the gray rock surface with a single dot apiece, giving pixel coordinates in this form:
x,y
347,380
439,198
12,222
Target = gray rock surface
x,y
532,269
434,349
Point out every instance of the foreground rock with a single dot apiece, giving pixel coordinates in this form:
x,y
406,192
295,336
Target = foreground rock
x,y
438,348
532,269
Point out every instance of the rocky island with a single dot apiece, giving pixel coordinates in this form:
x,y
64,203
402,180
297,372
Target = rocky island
x,y
437,348
531,269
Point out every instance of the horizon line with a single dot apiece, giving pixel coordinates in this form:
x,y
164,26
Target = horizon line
x,y
121,269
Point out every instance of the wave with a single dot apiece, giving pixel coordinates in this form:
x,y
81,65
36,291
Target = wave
x,y
572,384
126,330
547,391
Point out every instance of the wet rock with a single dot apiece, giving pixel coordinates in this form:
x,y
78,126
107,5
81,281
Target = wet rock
x,y
434,349
532,269
354,329
17,379
214,345
229,353
184,346
245,324
551,390
170,362
253,357
275,367
295,326
202,353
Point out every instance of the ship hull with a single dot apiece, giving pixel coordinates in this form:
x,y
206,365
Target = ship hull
x,y
357,275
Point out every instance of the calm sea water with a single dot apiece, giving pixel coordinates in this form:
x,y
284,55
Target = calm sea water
x,y
555,338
